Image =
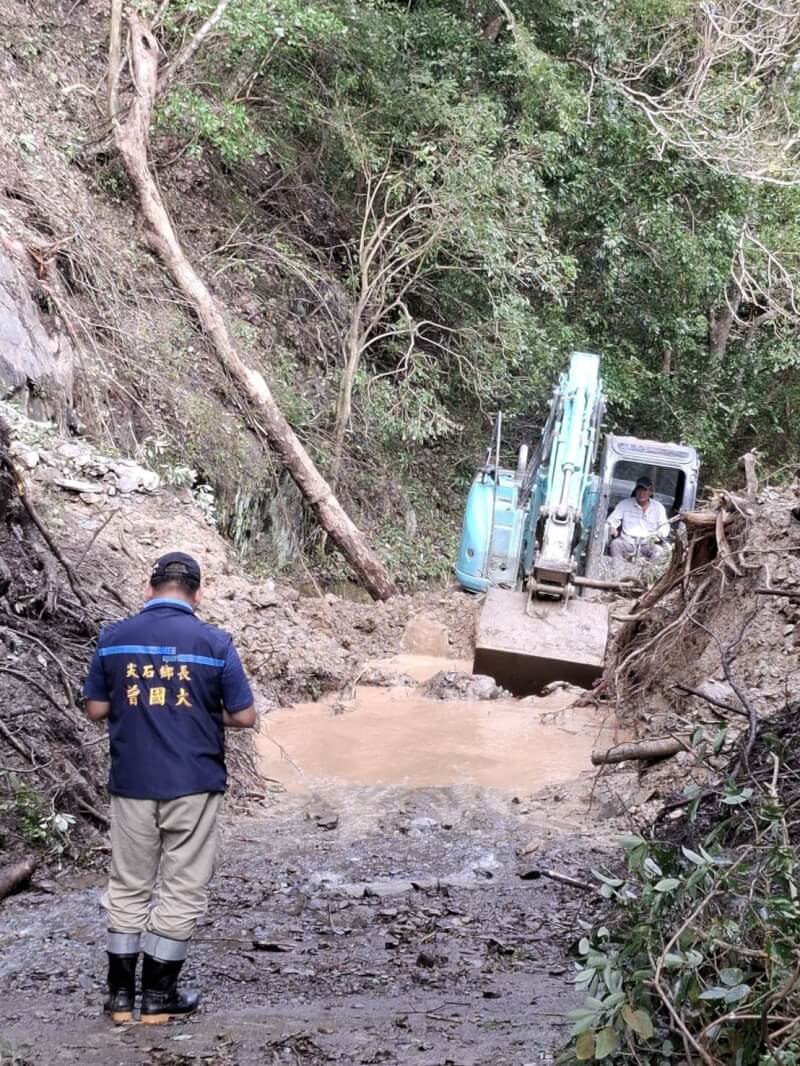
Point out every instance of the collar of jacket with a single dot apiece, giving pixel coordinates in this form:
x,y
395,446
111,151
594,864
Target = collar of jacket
x,y
167,601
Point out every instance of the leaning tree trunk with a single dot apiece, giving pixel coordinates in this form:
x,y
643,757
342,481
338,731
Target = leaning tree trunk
x,y
132,139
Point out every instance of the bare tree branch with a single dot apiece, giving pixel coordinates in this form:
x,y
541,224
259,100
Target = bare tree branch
x,y
191,46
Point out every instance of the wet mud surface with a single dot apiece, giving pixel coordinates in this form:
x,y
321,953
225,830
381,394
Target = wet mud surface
x,y
403,736
359,917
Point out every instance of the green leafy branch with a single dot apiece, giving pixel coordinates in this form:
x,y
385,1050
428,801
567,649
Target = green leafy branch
x,y
701,960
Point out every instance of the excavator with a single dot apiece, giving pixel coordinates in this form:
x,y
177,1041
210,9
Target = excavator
x,y
534,537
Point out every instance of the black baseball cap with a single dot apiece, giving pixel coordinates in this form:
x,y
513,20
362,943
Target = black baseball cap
x,y
644,483
174,565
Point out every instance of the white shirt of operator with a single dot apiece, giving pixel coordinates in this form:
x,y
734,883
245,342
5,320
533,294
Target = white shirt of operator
x,y
638,524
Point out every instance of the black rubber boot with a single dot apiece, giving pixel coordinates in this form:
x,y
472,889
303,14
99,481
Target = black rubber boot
x,y
121,987
161,998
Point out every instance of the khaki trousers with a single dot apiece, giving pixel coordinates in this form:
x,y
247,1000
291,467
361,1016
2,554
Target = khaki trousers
x,y
182,837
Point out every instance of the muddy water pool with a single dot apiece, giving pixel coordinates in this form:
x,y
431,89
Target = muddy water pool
x,y
399,736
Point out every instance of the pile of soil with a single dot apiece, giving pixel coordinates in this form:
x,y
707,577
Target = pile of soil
x,y
713,646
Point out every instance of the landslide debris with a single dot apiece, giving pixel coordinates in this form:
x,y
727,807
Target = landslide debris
x,y
697,955
109,518
710,653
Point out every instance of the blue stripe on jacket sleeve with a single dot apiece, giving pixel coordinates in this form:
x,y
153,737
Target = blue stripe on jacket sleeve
x,y
136,649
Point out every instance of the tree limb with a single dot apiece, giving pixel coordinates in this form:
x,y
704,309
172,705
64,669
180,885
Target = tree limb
x,y
191,46
132,138
11,877
114,59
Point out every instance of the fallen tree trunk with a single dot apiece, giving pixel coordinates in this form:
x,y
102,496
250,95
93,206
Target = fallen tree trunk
x,y
132,140
13,876
642,749
703,519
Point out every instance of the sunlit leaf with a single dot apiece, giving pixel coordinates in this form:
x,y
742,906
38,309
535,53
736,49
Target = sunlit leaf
x,y
638,1020
692,856
667,884
584,1047
630,840
737,994
714,993
605,1043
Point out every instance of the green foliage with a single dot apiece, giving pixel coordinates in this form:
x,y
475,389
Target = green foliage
x,y
14,1054
225,125
282,375
28,816
556,215
706,934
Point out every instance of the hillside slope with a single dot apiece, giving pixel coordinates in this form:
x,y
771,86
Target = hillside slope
x,y
112,352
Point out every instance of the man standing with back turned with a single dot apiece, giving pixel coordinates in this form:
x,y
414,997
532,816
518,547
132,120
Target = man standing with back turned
x,y
169,684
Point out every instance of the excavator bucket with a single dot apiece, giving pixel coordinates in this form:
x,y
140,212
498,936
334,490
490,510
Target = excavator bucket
x,y
553,641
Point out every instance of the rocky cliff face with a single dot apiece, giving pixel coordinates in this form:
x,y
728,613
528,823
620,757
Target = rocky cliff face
x,y
36,354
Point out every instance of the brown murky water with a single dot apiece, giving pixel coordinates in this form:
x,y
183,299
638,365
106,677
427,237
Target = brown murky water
x,y
397,736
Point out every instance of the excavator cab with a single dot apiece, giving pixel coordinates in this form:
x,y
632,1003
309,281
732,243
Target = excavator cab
x,y
673,469
534,537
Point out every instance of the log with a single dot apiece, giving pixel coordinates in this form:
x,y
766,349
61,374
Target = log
x,y
703,519
11,877
662,748
554,875
132,140
725,552
709,698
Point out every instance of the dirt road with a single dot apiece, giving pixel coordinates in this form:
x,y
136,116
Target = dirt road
x,y
381,920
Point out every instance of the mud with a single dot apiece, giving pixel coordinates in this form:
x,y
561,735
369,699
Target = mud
x,y
373,914
399,736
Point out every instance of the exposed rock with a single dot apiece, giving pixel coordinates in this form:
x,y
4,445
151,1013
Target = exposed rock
x,y
425,636
387,889
36,360
75,486
132,477
265,595
375,675
327,819
26,457
452,685
423,824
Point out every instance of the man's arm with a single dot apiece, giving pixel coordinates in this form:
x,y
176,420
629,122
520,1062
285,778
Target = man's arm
x,y
236,694
95,691
614,520
244,719
662,529
97,710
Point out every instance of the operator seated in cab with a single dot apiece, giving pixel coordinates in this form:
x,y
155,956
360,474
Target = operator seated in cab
x,y
638,526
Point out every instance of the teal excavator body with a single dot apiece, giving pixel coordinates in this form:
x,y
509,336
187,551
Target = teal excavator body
x,y
533,537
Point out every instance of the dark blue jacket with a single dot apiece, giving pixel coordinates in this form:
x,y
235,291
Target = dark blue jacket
x,y
168,677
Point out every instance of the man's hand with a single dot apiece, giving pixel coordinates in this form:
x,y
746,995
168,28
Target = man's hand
x,y
97,710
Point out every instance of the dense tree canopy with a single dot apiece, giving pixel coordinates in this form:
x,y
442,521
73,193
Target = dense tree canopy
x,y
531,178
